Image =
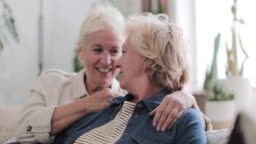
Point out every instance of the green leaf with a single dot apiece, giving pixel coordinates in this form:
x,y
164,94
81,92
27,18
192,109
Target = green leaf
x,y
77,66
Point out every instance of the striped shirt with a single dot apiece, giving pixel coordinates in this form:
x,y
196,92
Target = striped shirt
x,y
110,132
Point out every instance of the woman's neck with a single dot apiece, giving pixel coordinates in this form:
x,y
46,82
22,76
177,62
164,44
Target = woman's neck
x,y
145,91
92,88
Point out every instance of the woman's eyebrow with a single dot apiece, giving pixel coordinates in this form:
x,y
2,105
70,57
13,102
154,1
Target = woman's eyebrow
x,y
97,45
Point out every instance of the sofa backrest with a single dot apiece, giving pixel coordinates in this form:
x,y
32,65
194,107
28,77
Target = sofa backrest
x,y
8,120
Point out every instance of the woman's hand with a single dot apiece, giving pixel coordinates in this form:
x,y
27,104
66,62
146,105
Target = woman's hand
x,y
171,108
98,100
67,114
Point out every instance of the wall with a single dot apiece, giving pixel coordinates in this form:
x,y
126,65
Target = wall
x,y
61,21
18,62
182,13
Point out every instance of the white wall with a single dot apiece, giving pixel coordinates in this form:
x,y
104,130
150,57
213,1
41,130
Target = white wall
x,y
18,63
61,23
183,14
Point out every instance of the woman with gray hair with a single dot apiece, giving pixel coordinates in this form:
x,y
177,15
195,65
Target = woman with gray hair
x,y
152,66
60,99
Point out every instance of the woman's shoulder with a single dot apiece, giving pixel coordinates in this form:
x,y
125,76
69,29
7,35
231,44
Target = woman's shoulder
x,y
190,115
54,76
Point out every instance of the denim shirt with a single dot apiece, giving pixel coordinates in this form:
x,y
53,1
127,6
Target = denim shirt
x,y
187,130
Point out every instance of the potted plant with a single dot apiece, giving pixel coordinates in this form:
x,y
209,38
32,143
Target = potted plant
x,y
7,25
229,95
235,82
220,107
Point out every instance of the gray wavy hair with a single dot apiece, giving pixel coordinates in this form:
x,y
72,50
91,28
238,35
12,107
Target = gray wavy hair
x,y
161,42
101,18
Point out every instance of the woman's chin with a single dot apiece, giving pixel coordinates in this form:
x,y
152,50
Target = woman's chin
x,y
105,83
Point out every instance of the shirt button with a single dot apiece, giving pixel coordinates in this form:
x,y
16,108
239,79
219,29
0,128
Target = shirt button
x,y
29,128
136,116
139,105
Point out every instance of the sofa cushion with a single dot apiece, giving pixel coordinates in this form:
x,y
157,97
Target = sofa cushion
x,y
8,120
218,136
245,128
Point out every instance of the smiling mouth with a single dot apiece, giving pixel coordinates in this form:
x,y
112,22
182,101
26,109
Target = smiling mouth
x,y
104,70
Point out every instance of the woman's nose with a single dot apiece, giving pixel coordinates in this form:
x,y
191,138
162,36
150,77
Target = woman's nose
x,y
117,64
106,58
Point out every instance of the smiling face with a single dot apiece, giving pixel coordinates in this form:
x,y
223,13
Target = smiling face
x,y
102,50
131,66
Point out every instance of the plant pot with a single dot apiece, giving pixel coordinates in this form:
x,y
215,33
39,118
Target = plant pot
x,y
241,88
221,113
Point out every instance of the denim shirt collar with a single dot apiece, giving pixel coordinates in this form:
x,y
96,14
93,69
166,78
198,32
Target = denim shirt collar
x,y
151,103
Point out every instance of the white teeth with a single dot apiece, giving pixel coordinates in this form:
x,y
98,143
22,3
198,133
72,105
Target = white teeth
x,y
104,70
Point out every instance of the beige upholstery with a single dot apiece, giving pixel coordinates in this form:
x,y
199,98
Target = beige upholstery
x,y
218,136
8,120
9,116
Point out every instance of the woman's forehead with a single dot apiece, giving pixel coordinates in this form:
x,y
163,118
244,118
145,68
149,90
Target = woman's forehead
x,y
105,37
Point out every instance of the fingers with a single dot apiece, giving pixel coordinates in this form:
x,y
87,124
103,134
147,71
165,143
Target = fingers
x,y
171,116
157,112
179,113
106,104
171,108
98,101
104,94
161,126
152,113
166,115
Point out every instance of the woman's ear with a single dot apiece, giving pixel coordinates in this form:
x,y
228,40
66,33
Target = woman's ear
x,y
147,64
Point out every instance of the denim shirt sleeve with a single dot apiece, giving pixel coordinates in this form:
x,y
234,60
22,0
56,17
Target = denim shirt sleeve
x,y
190,128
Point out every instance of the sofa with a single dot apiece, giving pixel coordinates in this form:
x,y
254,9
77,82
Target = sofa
x,y
9,116
8,120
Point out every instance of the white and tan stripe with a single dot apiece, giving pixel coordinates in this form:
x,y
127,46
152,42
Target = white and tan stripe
x,y
110,132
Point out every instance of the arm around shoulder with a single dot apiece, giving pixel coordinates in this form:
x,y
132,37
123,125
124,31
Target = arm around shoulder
x,y
34,124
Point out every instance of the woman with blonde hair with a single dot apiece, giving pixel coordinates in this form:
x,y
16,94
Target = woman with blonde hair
x,y
152,66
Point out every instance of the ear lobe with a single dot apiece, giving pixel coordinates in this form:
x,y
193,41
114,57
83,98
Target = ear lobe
x,y
147,64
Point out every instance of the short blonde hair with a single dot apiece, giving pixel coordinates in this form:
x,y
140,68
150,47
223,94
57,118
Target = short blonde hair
x,y
161,42
101,18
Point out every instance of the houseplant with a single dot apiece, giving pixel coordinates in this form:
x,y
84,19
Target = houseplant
x,y
7,25
220,107
231,94
233,68
235,82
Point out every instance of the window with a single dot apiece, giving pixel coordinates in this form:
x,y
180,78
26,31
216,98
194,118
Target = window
x,y
215,16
